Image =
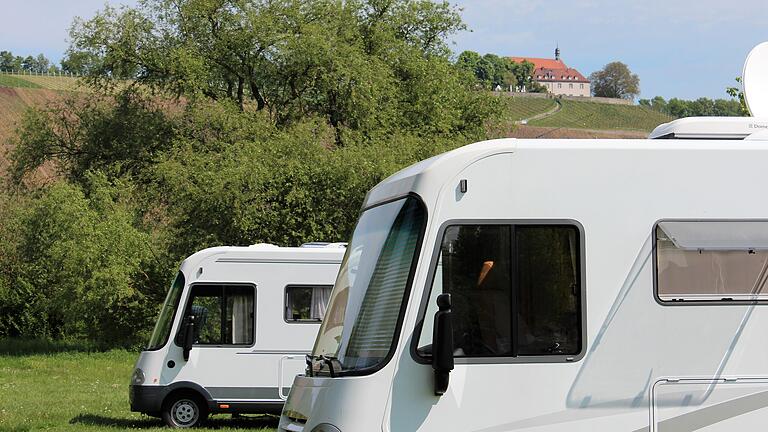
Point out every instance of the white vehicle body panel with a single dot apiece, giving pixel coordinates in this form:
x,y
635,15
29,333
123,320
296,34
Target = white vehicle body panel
x,y
258,374
636,347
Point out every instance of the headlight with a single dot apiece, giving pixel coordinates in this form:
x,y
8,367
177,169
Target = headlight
x,y
138,377
325,427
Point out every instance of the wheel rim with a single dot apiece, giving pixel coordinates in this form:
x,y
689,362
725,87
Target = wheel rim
x,y
185,412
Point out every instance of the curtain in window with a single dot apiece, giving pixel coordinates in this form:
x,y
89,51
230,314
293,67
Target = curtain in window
x,y
289,303
320,297
242,327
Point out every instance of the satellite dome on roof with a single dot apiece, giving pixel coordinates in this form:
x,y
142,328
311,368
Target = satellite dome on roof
x,y
755,86
755,80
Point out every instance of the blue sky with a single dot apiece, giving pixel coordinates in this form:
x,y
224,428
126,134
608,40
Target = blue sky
x,y
679,48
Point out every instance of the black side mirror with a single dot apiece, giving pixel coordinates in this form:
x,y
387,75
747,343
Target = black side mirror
x,y
442,344
189,336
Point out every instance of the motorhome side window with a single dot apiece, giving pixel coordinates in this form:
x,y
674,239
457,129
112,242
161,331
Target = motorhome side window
x,y
711,260
515,290
224,314
306,303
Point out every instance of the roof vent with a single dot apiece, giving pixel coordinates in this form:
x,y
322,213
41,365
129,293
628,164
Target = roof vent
x,y
324,245
710,128
264,246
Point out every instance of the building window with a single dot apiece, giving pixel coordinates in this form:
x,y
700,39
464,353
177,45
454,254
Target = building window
x,y
306,302
711,261
223,314
515,290
570,85
581,86
559,85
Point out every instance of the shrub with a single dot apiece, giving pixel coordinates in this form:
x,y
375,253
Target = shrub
x,y
76,268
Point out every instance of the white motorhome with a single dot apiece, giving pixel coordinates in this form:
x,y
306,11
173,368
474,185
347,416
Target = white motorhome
x,y
555,285
235,328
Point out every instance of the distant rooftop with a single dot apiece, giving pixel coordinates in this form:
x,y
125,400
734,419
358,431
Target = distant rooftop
x,y
547,69
545,63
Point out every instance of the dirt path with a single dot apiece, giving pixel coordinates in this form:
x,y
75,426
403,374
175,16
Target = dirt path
x,y
558,106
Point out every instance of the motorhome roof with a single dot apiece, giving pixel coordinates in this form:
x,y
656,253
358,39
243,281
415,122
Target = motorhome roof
x,y
417,176
266,253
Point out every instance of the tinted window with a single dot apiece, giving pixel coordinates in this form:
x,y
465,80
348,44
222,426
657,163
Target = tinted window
x,y
548,307
224,315
515,290
306,303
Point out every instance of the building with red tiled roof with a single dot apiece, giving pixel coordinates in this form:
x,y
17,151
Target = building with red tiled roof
x,y
556,76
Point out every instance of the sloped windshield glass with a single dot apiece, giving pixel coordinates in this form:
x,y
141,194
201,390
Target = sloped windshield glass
x,y
165,319
366,302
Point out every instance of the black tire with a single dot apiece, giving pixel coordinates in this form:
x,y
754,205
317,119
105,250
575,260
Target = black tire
x,y
184,410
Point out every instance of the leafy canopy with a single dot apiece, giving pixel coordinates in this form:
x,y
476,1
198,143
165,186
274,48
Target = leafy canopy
x,y
491,70
615,80
368,67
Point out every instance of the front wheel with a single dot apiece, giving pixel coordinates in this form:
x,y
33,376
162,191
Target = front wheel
x,y
184,411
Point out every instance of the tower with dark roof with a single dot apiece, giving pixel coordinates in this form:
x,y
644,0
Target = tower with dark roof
x,y
557,52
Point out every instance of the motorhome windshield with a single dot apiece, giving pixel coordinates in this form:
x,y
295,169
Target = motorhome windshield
x,y
365,306
165,320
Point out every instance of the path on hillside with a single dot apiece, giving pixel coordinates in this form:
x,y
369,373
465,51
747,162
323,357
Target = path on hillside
x,y
526,131
558,106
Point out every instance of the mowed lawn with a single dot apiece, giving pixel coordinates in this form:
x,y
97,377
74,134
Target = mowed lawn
x,y
78,391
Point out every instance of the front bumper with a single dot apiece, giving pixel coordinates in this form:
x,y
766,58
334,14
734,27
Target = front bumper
x,y
146,399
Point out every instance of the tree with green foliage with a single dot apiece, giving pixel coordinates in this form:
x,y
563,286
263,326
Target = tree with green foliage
x,y
38,64
694,108
82,133
738,93
76,266
364,66
213,123
491,70
80,62
10,62
615,80
253,182
657,103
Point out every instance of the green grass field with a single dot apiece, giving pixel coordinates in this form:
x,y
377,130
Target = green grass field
x,y
39,81
80,391
16,82
593,115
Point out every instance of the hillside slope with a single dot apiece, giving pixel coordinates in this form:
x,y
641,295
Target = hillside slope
x,y
13,103
518,108
49,82
602,116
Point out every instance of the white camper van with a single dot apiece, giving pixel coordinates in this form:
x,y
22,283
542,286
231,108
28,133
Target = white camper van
x,y
234,330
555,285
